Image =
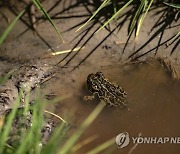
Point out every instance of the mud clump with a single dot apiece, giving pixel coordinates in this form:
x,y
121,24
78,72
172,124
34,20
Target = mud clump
x,y
18,85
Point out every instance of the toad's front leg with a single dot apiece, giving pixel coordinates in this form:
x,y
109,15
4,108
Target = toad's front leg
x,y
88,98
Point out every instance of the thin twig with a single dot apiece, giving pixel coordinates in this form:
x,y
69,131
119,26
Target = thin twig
x,y
135,146
56,116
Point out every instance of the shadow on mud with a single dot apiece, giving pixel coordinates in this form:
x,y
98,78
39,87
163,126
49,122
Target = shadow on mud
x,y
72,10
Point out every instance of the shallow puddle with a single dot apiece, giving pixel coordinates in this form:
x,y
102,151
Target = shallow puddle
x,y
153,101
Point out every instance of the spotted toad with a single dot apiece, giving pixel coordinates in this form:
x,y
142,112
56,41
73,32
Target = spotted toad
x,y
112,94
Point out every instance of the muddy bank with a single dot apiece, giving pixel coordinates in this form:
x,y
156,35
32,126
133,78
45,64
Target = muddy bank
x,y
153,96
16,98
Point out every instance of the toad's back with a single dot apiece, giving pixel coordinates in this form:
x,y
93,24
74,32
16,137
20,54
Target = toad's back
x,y
112,94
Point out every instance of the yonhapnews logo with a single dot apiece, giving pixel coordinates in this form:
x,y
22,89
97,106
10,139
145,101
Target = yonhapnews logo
x,y
123,139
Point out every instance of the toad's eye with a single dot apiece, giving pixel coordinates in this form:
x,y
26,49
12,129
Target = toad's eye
x,y
95,87
100,75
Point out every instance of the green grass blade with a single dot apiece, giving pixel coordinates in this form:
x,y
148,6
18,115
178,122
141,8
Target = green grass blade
x,y
38,122
31,141
26,104
143,16
115,15
25,146
72,140
55,140
177,6
135,19
9,28
102,147
40,7
176,36
114,6
94,14
4,78
5,132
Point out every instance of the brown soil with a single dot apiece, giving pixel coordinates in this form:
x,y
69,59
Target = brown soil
x,y
153,96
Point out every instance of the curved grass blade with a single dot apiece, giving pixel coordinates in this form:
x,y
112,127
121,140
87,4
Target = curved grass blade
x,y
40,7
174,38
135,19
115,15
143,15
84,143
102,147
10,27
177,6
95,13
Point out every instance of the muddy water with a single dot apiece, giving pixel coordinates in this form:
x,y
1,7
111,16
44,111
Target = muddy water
x,y
153,100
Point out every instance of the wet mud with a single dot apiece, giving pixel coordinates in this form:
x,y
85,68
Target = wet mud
x,y
153,102
153,96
